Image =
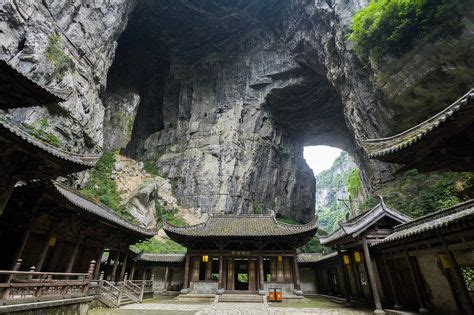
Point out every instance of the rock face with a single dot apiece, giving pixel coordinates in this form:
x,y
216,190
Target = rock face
x,y
223,96
66,45
331,184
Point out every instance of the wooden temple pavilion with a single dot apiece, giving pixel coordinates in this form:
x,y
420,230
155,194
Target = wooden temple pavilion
x,y
429,262
53,227
241,253
444,141
352,241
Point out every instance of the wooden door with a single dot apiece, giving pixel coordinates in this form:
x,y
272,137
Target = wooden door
x,y
230,274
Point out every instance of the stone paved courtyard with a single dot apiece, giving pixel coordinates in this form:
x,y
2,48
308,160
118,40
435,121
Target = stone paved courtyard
x,y
170,307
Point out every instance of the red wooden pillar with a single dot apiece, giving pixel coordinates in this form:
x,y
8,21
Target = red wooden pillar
x,y
297,275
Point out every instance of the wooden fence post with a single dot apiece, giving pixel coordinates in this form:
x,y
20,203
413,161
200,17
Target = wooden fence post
x,y
11,277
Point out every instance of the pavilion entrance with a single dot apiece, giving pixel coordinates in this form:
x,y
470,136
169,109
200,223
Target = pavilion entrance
x,y
242,274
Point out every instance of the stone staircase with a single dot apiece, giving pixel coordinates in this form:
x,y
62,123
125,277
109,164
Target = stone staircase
x,y
241,298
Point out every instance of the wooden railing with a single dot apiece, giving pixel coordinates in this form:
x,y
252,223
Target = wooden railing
x,y
33,286
113,295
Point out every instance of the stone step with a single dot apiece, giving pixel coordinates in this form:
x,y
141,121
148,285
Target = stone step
x,y
244,298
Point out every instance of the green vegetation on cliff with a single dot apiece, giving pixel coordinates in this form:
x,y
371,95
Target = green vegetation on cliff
x,y
101,187
55,54
38,131
393,27
417,194
171,216
338,182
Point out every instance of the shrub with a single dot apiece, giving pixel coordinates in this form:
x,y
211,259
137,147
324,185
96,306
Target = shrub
x,y
393,27
62,63
171,216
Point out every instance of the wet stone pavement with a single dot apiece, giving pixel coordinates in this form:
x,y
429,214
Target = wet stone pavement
x,y
171,307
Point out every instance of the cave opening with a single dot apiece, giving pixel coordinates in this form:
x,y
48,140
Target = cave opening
x,y
225,103
339,188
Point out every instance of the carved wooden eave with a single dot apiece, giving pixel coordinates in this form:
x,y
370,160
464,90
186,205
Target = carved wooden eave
x,y
80,203
241,232
17,90
380,216
444,141
451,220
32,158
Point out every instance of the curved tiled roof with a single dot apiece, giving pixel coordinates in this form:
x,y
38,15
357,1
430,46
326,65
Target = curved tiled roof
x,y
87,160
460,213
381,147
167,258
362,222
79,200
17,90
240,226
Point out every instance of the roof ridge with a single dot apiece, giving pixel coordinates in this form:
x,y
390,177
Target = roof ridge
x,y
120,220
80,158
59,93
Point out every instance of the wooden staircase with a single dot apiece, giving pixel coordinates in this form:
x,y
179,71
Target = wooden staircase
x,y
117,296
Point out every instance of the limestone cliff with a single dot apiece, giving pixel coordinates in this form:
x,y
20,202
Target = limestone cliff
x,y
223,96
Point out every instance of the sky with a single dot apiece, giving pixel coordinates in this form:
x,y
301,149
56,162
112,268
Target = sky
x,y
320,157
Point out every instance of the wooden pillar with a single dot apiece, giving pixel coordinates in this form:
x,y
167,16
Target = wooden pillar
x,y
296,273
464,296
396,300
287,269
132,272
418,287
98,262
19,252
221,272
72,260
44,251
107,264
208,275
114,268
355,272
230,274
280,275
196,264
373,282
252,275
167,270
345,280
124,265
186,272
261,277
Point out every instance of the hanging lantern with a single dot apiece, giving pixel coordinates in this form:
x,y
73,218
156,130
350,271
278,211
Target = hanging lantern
x,y
280,259
444,261
52,241
357,257
346,259
205,258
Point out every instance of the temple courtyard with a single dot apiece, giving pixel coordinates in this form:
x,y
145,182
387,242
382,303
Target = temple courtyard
x,y
168,305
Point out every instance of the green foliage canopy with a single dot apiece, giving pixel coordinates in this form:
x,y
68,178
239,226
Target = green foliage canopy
x,y
55,54
393,27
154,246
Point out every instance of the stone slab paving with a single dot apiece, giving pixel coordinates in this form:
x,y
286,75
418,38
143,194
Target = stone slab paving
x,y
239,309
